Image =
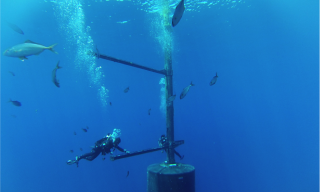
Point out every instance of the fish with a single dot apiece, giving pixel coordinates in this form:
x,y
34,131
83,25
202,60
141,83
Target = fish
x,y
103,158
149,111
80,149
178,12
14,116
123,22
11,73
87,127
84,130
15,103
110,104
74,133
71,151
54,75
127,174
185,90
126,90
15,28
172,98
214,80
27,48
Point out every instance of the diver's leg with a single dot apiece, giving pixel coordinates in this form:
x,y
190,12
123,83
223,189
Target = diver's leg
x,y
88,156
92,155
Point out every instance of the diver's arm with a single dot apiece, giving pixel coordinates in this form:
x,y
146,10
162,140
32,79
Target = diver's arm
x,y
122,150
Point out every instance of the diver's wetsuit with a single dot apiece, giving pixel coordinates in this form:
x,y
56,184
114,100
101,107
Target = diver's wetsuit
x,y
103,146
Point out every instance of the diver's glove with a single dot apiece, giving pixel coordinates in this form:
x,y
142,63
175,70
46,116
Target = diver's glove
x,y
126,151
70,162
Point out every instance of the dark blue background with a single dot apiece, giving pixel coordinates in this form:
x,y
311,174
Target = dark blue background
x,y
256,129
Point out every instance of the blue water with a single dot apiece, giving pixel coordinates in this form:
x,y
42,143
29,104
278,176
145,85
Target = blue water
x,y
256,129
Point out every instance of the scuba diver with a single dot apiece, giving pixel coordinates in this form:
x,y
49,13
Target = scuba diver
x,y
105,145
163,141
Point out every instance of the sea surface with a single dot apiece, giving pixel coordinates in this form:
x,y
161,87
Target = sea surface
x,y
255,130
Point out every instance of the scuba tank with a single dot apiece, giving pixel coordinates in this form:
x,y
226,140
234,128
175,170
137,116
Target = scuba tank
x,y
116,134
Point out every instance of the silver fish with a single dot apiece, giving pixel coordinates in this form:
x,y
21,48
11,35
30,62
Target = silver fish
x,y
214,80
126,90
185,90
14,27
26,49
54,75
178,13
149,111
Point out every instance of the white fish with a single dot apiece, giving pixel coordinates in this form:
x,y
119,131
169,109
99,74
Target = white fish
x,y
123,22
186,90
178,13
26,49
214,80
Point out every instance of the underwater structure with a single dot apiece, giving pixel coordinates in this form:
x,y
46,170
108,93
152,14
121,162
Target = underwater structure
x,y
168,176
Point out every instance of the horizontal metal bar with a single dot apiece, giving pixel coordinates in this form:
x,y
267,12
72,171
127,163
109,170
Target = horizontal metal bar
x,y
175,144
112,158
98,55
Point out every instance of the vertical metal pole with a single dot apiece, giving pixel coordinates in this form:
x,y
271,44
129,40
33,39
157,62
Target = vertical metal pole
x,y
169,87
170,111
